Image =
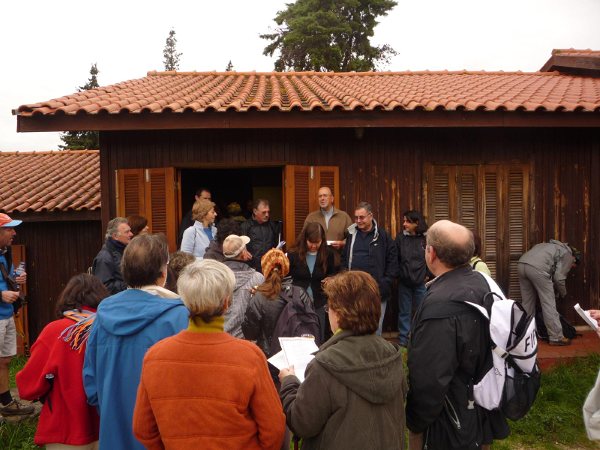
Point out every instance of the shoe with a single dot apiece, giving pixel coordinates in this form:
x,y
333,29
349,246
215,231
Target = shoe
x,y
16,408
563,341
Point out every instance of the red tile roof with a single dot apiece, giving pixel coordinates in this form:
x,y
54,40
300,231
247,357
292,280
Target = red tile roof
x,y
50,181
179,92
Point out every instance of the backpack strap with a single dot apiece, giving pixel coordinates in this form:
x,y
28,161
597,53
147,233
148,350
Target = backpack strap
x,y
477,261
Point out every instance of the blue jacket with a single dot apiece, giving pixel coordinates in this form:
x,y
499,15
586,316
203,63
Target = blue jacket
x,y
126,325
6,309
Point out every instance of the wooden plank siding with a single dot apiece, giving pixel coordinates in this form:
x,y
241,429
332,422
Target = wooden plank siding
x,y
385,167
56,250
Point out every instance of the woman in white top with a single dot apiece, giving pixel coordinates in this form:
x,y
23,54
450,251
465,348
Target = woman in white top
x,y
197,237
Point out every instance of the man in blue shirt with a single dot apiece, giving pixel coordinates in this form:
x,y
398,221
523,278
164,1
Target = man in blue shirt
x,y
8,334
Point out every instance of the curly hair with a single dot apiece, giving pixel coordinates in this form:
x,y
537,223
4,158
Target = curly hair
x,y
354,297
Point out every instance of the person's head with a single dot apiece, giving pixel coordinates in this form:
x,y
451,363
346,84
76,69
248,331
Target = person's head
x,y
204,211
81,290
234,209
354,302
178,261
206,288
413,222
261,210
202,193
275,266
7,229
363,216
477,244
312,239
138,224
226,228
449,245
145,261
234,247
119,230
325,198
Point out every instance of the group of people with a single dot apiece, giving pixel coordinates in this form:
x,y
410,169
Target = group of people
x,y
170,351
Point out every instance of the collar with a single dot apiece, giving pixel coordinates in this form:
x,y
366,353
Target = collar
x,y
117,244
197,325
328,211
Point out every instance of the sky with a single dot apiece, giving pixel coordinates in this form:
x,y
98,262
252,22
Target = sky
x,y
49,46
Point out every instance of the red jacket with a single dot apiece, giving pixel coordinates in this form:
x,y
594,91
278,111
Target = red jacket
x,y
72,421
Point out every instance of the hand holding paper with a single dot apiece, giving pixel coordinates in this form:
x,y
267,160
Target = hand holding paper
x,y
296,352
587,317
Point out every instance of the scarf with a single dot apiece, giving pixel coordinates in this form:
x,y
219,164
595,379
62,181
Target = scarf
x,y
77,334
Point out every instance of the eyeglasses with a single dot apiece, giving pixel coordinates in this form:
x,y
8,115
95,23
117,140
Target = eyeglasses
x,y
363,217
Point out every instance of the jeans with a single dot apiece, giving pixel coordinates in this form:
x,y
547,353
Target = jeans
x,y
407,295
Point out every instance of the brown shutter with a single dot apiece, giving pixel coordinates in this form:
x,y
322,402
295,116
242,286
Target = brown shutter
x,y
438,193
296,200
130,192
161,201
489,224
151,193
517,218
467,197
301,185
22,318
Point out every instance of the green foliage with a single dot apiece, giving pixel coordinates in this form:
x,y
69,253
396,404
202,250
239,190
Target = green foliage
x,y
329,35
171,60
16,364
83,140
18,435
555,420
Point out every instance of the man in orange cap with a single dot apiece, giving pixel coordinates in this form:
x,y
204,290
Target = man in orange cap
x,y
8,333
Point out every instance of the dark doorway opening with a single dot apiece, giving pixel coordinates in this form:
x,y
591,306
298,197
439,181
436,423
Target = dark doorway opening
x,y
240,185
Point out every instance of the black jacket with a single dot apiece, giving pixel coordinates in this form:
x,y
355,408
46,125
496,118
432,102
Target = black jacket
x,y
262,314
107,266
383,252
411,259
449,348
302,277
263,237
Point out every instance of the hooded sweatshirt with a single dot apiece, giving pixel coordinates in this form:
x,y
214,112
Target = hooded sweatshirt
x,y
245,278
352,397
126,325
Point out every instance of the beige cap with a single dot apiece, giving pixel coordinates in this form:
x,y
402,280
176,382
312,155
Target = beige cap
x,y
233,245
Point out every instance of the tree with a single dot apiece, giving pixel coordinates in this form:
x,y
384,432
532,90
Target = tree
x,y
171,61
329,35
229,67
83,140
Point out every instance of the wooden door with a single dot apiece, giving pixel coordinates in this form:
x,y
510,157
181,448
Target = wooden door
x,y
151,193
301,185
22,317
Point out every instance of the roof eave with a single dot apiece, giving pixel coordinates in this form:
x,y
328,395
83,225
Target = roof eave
x,y
313,119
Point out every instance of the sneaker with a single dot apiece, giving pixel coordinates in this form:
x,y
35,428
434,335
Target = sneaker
x,y
16,408
563,341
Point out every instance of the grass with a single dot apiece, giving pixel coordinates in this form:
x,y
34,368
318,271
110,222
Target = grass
x,y
554,423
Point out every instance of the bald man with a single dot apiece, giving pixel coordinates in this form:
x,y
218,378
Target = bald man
x,y
448,349
334,221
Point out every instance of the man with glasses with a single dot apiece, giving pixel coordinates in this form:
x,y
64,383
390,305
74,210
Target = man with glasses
x,y
370,249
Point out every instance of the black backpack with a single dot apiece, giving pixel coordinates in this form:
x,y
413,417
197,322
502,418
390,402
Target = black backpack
x,y
295,319
568,330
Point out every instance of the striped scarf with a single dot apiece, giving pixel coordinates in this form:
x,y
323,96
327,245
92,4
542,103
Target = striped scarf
x,y
77,334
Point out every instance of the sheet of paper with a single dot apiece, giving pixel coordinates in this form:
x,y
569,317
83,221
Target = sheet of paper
x,y
585,315
279,360
330,242
298,352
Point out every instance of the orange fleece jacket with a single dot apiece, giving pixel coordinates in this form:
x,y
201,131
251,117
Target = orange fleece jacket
x,y
208,391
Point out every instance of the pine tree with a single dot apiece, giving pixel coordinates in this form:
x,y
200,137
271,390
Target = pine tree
x,y
83,140
329,35
229,67
171,61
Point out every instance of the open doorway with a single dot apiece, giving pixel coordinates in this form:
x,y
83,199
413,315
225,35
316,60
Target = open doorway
x,y
240,185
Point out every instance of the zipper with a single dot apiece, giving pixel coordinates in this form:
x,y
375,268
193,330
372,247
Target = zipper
x,y
452,413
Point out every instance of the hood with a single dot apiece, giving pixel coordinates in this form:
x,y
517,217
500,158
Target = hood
x,y
368,365
132,310
352,229
243,273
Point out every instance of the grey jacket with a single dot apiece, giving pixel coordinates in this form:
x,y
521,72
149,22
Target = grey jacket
x,y
553,258
352,397
245,278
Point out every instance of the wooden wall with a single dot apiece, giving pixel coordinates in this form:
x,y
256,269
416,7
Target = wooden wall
x,y
385,167
56,250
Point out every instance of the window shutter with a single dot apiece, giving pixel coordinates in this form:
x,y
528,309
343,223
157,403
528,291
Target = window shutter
x,y
467,198
489,229
438,204
130,192
517,218
161,201
302,185
296,200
